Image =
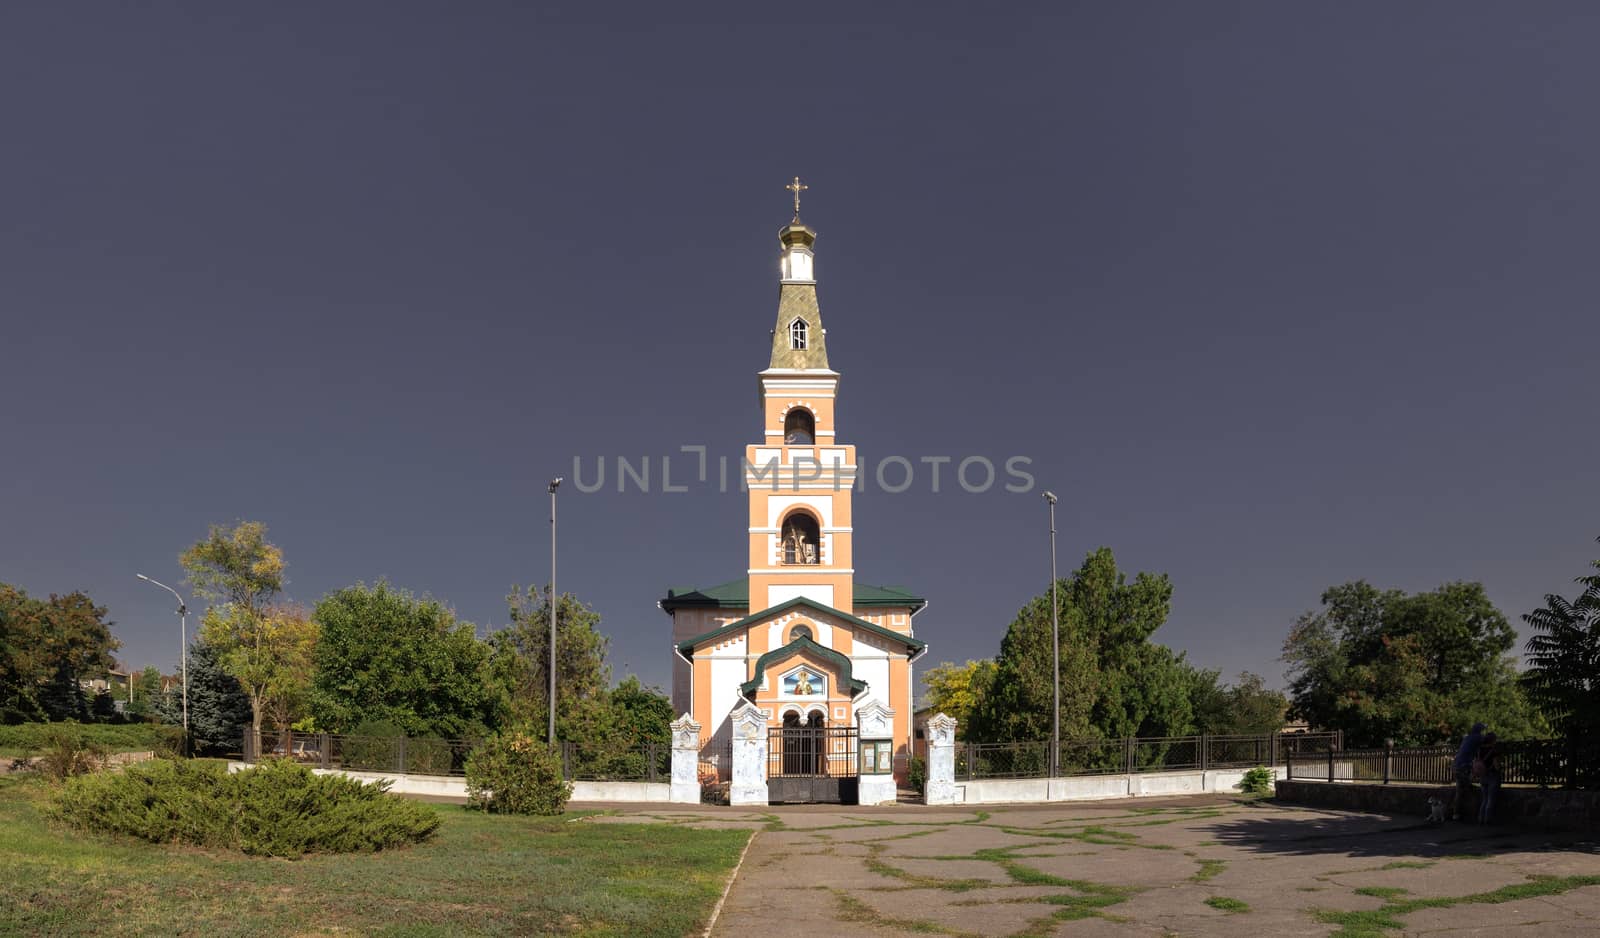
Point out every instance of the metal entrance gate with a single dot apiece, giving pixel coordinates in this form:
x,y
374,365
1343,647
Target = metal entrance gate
x,y
812,764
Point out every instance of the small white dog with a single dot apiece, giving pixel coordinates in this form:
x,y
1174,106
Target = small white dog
x,y
1435,811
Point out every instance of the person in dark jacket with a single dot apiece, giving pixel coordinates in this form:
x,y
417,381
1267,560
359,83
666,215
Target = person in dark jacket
x,y
1488,763
1463,767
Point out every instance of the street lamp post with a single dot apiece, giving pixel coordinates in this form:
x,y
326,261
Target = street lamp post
x,y
1055,648
555,599
183,652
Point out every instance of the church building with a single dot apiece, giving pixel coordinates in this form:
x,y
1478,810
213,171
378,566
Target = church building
x,y
797,636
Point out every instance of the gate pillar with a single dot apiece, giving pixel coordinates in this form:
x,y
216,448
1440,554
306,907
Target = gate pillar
x,y
941,761
685,761
875,731
749,755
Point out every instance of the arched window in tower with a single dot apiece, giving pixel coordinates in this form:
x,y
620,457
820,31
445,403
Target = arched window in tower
x,y
797,334
802,539
799,427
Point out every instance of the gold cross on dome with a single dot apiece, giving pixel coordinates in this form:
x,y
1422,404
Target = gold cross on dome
x,y
797,187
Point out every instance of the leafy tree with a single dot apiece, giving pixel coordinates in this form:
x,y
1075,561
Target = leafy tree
x,y
955,689
1563,658
23,656
146,691
1114,681
386,655
520,663
269,651
640,714
1208,701
1255,708
242,573
1413,668
218,707
77,646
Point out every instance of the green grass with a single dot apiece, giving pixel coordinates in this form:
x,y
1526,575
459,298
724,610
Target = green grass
x,y
1208,869
1225,904
1375,922
482,875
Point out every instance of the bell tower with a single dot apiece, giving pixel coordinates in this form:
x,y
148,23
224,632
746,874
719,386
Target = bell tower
x,y
799,478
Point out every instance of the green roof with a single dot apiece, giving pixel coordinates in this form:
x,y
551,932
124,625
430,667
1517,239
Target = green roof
x,y
912,645
798,645
735,594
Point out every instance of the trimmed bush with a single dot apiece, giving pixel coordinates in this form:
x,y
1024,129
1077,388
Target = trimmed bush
x,y
516,773
1257,781
917,774
428,755
35,738
275,809
373,746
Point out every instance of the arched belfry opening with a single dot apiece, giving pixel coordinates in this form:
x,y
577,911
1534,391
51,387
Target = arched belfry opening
x,y
799,427
802,538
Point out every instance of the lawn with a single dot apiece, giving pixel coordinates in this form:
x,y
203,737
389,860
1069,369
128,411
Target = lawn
x,y
481,875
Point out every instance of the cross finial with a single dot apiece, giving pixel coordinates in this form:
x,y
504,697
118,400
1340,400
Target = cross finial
x,y
797,187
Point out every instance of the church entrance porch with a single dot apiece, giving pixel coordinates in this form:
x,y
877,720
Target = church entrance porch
x,y
810,763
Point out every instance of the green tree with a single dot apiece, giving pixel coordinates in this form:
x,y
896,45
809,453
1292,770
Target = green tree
x,y
145,693
954,689
1563,658
641,714
1208,701
520,663
386,655
242,573
24,664
1413,668
219,709
1255,708
77,645
270,651
1115,682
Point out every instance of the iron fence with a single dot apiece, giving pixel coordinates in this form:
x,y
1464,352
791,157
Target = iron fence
x,y
589,762
1099,756
432,755
1546,763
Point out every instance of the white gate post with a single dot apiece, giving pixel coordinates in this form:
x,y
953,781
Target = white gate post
x,y
685,761
875,740
749,755
941,761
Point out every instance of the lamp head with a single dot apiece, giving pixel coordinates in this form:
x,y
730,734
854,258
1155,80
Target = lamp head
x,y
141,576
554,484
1050,497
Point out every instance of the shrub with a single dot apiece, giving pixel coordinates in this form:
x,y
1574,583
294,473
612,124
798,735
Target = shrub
x,y
1257,781
275,809
373,746
428,755
515,773
918,773
68,752
131,737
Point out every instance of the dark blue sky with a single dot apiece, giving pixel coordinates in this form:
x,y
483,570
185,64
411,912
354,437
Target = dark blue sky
x,y
1274,295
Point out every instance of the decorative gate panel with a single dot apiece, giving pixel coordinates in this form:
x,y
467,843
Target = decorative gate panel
x,y
812,764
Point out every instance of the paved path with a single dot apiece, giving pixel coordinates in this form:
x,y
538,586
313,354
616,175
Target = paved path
x,y
1190,867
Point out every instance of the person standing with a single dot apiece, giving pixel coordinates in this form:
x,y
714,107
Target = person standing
x,y
1487,768
1463,767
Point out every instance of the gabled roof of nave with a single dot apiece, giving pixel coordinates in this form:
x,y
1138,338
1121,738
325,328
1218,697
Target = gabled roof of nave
x,y
735,594
912,645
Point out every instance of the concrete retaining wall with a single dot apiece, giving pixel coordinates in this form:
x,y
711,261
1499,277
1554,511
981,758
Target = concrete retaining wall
x,y
1546,809
1098,787
454,787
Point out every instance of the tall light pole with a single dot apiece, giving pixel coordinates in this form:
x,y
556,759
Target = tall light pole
x,y
555,599
183,652
1055,648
